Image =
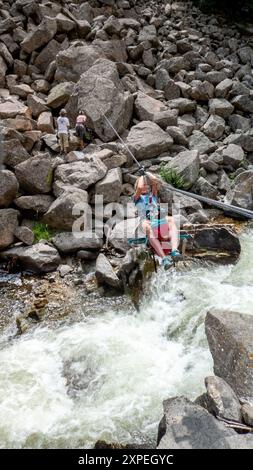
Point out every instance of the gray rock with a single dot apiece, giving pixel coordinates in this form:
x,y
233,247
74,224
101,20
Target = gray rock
x,y
186,165
200,142
166,118
230,336
148,33
123,230
177,135
239,123
35,175
8,188
201,91
46,57
8,225
223,88
14,152
40,35
25,235
221,399
183,105
110,187
105,273
59,95
70,242
247,413
147,140
204,188
171,90
214,127
243,103
36,105
41,257
221,107
219,239
13,108
233,155
147,107
75,61
86,254
189,426
38,203
100,89
81,174
61,214
240,193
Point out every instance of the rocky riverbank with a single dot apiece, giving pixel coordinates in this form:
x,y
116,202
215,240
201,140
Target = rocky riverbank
x,y
174,82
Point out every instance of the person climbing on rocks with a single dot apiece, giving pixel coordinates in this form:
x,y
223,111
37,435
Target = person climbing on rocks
x,y
160,229
81,129
63,126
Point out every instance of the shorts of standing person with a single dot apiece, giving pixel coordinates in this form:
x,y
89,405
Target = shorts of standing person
x,y
80,132
64,140
162,234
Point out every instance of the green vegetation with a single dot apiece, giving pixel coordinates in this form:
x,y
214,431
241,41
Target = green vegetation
x,y
41,232
171,176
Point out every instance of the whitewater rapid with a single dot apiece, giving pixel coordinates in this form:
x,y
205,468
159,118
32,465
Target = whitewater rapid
x,y
106,377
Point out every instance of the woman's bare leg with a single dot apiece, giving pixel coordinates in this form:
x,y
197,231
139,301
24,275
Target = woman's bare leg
x,y
154,242
174,238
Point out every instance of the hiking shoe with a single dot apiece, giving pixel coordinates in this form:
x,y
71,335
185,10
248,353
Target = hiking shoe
x,y
167,263
176,256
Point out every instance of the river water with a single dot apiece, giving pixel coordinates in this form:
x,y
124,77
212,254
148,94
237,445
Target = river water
x,y
105,377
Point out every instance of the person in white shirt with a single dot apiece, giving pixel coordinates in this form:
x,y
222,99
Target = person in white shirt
x,y
63,131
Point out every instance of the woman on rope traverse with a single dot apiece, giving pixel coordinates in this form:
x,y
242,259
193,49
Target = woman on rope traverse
x,y
160,229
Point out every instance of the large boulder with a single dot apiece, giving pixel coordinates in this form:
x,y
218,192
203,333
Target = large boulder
x,y
61,214
241,193
233,155
199,141
13,108
8,225
40,35
114,50
214,127
14,152
40,258
35,175
221,400
124,229
81,174
221,107
110,187
186,425
38,203
75,61
215,240
148,140
100,92
8,188
48,55
243,103
230,339
105,273
59,94
70,242
186,165
147,107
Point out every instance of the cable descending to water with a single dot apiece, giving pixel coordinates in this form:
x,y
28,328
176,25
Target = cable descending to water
x,y
221,205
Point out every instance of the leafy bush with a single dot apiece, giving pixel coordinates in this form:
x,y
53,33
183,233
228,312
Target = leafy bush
x,y
171,176
41,232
